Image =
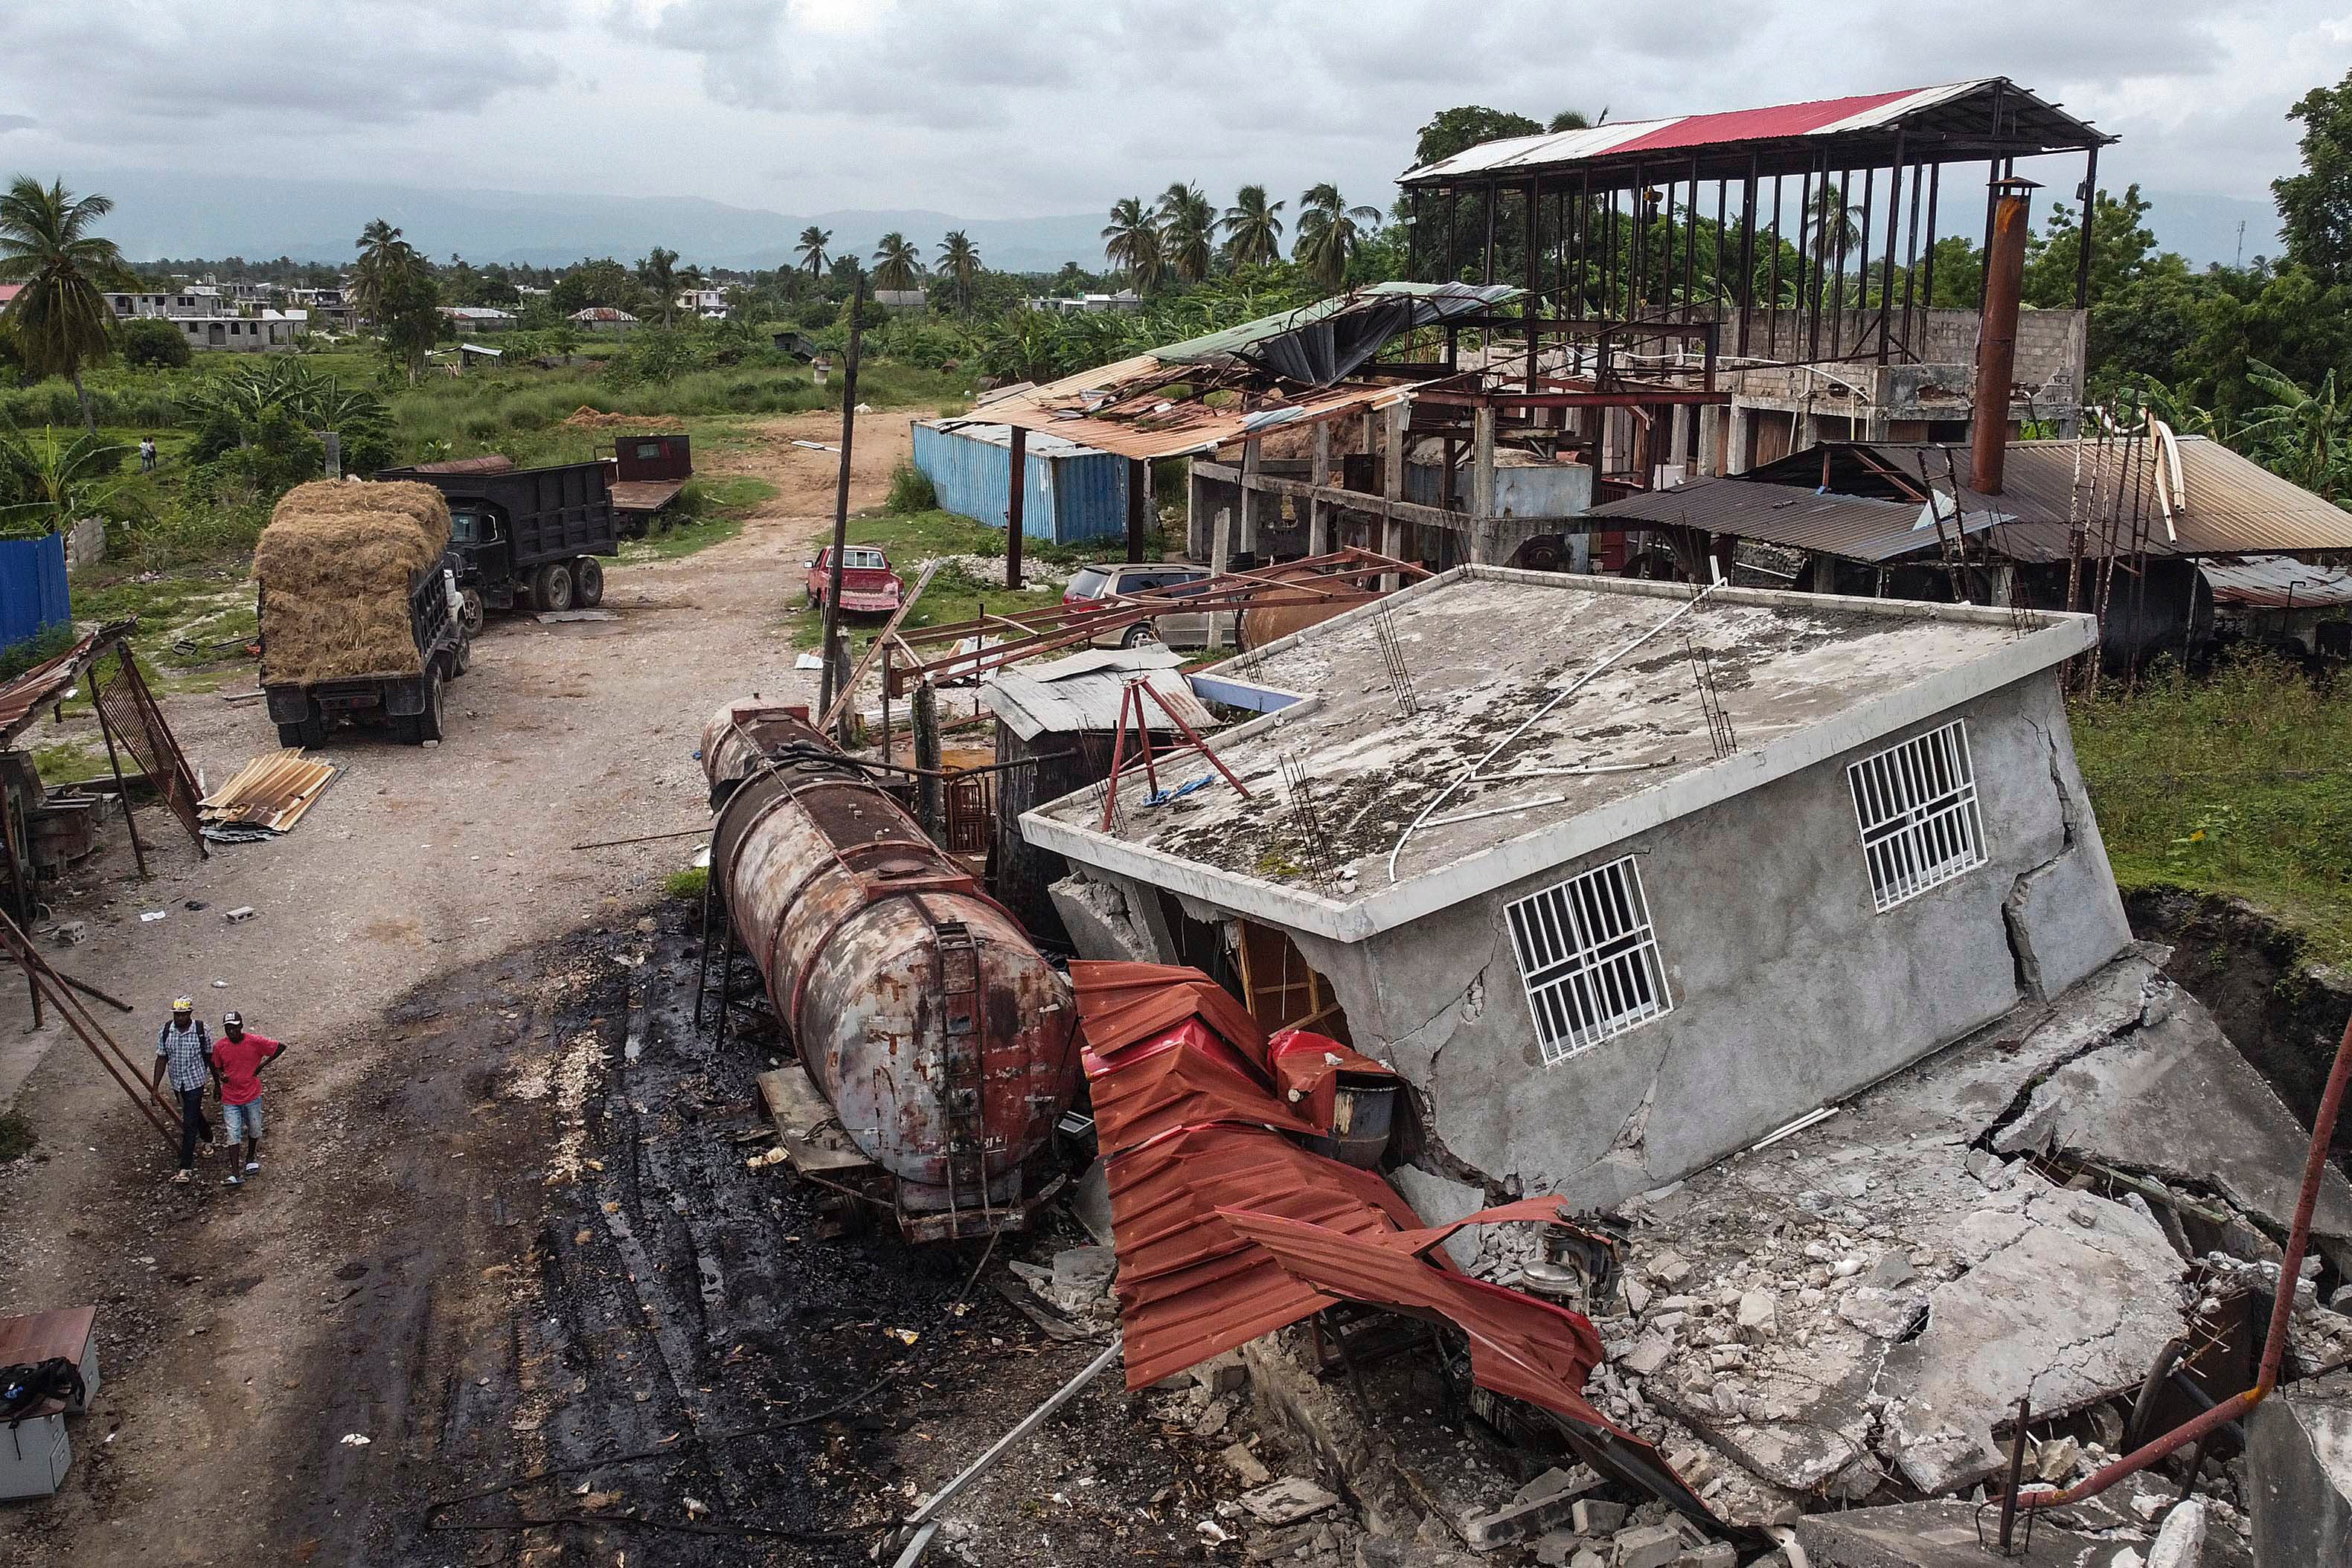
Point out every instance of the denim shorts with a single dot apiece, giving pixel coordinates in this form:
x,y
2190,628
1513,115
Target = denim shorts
x,y
239,1123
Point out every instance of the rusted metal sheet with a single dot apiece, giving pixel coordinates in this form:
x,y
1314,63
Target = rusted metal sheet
x,y
2277,582
941,1035
645,495
127,709
22,699
1124,407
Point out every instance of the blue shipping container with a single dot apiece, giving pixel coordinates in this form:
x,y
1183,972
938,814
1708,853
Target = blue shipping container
x,y
32,587
1073,492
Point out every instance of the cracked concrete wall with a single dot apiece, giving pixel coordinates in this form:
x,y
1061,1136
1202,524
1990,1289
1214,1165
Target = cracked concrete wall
x,y
1789,990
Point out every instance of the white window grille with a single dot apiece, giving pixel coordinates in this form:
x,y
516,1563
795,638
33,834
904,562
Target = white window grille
x,y
1917,806
1590,960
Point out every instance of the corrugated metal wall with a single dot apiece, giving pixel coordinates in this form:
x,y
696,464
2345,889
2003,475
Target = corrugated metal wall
x,y
1072,495
32,587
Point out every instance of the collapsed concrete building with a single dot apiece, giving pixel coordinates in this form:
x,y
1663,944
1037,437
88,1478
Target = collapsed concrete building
x,y
1775,931
1789,845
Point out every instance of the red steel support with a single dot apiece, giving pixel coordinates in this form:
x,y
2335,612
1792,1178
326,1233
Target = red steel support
x,y
1997,336
2314,1166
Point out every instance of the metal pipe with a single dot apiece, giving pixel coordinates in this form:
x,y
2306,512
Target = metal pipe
x,y
2298,1242
1996,337
841,489
2090,210
1016,492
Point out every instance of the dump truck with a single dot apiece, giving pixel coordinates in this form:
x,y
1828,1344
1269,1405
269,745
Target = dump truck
x,y
648,472
360,610
525,536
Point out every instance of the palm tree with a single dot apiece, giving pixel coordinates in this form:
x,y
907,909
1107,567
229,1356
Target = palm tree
x,y
1187,231
59,320
1253,228
1836,227
1330,233
959,260
658,272
383,255
1131,244
811,248
1570,120
897,261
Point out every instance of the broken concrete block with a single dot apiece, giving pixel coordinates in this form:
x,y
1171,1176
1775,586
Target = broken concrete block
x,y
1646,1546
73,932
1526,1517
2300,1497
1889,1272
1286,1501
1668,1269
1554,1548
1597,1515
1212,1420
2056,1459
2182,1543
1759,1315
1885,1314
1714,1554
1223,1373
1084,1269
1650,1353
1244,1464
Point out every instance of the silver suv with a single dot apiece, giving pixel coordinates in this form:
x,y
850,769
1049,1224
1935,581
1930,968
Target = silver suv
x,y
1176,629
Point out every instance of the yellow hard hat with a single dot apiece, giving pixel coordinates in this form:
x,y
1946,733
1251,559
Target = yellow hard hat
x,y
184,1004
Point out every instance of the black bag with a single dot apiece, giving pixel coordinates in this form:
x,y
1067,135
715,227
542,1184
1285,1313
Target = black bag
x,y
25,1388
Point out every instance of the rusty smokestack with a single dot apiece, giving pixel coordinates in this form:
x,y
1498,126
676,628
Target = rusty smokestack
x,y
1997,333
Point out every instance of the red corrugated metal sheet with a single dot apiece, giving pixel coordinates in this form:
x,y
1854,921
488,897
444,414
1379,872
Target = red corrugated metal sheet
x,y
22,699
1756,124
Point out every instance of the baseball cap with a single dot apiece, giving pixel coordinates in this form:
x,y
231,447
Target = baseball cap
x,y
232,1020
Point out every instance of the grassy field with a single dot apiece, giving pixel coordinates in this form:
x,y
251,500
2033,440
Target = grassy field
x,y
2240,784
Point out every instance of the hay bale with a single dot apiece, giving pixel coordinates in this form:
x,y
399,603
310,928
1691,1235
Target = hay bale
x,y
335,566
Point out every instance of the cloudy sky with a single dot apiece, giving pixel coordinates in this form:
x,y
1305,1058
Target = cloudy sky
x,y
991,110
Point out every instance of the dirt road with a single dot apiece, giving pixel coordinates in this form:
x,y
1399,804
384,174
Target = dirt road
x,y
435,1063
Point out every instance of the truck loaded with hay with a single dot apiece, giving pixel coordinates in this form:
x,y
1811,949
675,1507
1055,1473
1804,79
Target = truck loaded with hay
x,y
359,607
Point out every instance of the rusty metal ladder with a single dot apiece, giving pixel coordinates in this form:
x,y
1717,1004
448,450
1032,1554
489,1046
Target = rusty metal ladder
x,y
963,1046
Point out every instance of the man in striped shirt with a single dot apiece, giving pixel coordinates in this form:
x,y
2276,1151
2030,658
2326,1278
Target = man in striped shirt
x,y
183,1054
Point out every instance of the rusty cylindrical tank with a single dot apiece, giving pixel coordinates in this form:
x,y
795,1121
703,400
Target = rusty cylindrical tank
x,y
941,1035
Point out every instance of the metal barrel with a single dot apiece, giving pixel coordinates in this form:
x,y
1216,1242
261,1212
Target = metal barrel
x,y
943,1040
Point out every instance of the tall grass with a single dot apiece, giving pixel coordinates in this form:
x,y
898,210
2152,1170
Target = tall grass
x,y
2239,783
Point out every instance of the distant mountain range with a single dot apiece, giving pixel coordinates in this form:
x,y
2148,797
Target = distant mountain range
x,y
165,212
162,213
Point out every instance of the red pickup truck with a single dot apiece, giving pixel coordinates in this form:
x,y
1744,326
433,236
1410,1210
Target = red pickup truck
x,y
868,586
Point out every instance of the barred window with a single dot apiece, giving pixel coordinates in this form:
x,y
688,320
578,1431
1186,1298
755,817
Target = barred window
x,y
1590,960
1917,806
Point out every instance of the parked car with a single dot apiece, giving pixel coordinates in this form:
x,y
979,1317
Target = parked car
x,y
868,586
1176,629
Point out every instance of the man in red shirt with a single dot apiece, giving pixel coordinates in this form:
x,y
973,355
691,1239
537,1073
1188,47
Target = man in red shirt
x,y
237,1061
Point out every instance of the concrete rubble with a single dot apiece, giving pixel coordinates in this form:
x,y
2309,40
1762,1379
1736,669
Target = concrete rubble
x,y
1850,1314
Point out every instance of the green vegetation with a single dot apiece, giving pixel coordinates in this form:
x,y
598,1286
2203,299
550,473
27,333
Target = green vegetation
x,y
38,649
2235,784
686,887
60,321
707,512
912,491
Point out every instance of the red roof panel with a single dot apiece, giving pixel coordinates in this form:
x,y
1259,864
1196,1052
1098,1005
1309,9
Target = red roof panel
x,y
1757,124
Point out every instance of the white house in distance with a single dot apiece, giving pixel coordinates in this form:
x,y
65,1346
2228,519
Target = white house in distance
x,y
193,299
478,317
1619,884
710,304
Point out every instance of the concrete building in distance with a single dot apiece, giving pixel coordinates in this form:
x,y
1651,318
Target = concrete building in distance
x,y
261,332
194,300
1619,881
710,304
478,317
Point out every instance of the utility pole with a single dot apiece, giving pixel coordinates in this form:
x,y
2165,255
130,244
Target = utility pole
x,y
841,491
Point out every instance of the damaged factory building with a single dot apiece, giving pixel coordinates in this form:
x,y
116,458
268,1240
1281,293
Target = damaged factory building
x,y
1772,935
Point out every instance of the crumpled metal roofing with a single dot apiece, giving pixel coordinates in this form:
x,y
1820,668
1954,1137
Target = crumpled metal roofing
x,y
2277,582
1321,342
1858,527
22,699
1085,692
1227,1229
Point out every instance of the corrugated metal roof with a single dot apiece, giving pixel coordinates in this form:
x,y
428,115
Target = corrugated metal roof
x,y
272,791
2028,122
2277,582
1857,527
1084,694
2226,504
1063,407
1040,443
1430,301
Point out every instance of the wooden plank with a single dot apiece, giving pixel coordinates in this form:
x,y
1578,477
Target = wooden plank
x,y
807,1126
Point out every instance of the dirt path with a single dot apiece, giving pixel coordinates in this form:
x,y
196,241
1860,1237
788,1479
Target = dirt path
x,y
438,873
